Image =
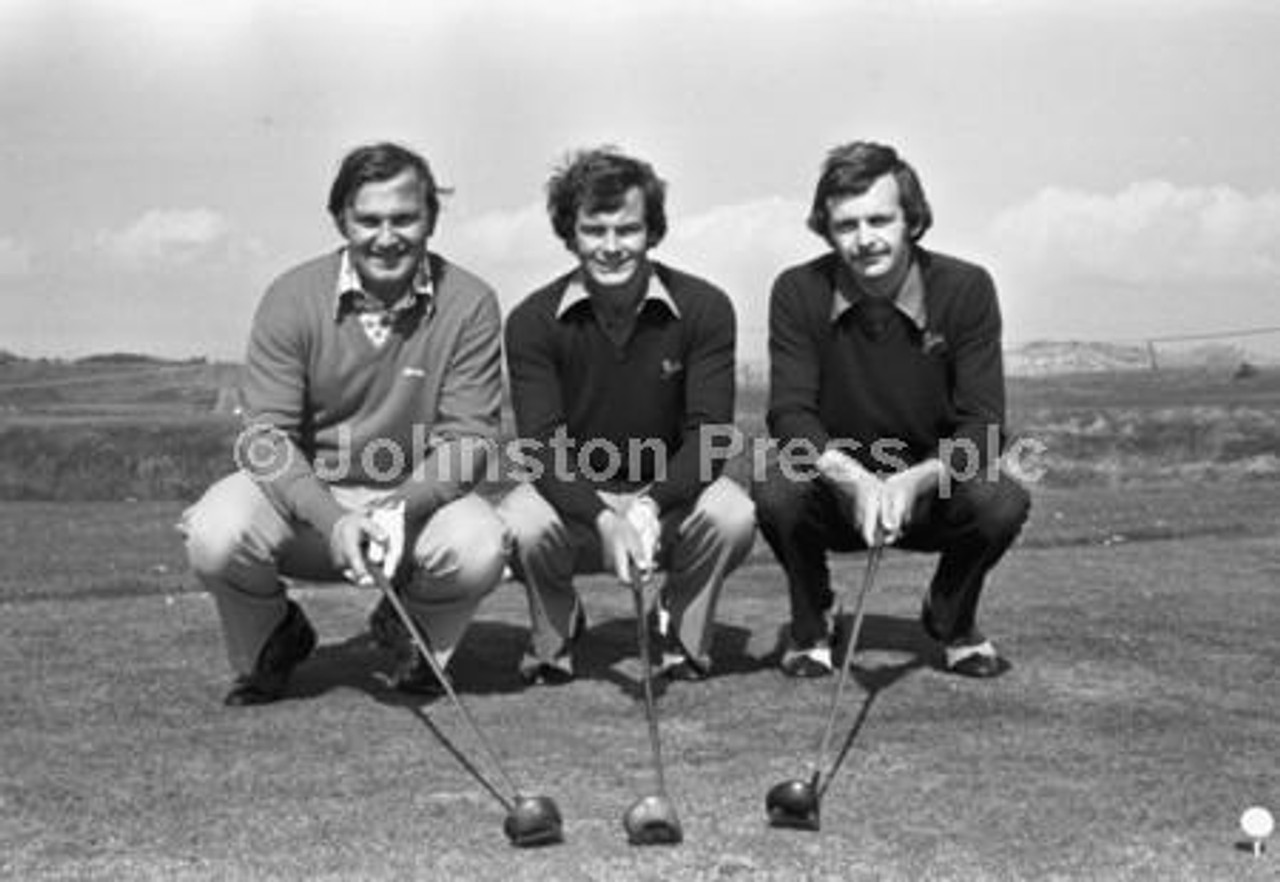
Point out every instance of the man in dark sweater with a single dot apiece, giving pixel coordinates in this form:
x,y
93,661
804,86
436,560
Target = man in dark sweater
x,y
622,383
887,403
373,385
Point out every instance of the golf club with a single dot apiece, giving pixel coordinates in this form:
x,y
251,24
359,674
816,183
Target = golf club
x,y
651,820
797,803
531,820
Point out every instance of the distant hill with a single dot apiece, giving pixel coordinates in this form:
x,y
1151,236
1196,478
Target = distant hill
x,y
1051,357
115,385
1044,357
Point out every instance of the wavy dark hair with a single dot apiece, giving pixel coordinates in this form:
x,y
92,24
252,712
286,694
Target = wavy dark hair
x,y
381,162
598,180
851,169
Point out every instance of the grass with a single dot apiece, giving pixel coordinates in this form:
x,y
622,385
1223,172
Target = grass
x,y
124,430
1138,723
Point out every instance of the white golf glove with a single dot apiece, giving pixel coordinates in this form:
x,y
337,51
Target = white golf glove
x,y
642,514
387,552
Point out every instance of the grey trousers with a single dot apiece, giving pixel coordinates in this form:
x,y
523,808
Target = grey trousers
x,y
700,546
239,546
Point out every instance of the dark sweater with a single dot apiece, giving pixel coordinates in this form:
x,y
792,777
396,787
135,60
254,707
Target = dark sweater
x,y
672,377
910,388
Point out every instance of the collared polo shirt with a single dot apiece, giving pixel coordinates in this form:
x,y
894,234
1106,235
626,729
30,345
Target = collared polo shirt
x,y
377,318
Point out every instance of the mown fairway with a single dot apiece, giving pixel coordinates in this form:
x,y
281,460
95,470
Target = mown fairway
x,y
1139,721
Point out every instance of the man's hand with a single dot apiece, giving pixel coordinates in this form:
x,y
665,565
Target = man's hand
x,y
860,488
642,513
899,493
352,535
623,546
391,518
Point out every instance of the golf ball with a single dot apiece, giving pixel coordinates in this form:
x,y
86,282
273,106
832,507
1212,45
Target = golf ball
x,y
1257,823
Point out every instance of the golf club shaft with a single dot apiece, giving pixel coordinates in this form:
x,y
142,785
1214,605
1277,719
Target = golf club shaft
x,y
873,563
638,582
420,642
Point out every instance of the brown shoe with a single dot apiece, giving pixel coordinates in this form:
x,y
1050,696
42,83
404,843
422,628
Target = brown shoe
x,y
287,647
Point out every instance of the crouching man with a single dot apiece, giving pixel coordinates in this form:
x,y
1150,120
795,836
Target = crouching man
x,y
372,388
886,373
620,370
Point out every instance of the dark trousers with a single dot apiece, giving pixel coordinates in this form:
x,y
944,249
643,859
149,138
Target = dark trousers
x,y
972,524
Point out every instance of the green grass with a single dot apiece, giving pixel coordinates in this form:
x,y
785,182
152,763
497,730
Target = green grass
x,y
1139,721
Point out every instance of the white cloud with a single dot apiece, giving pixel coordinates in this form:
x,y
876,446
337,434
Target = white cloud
x,y
742,248
739,247
15,258
1151,232
511,236
166,238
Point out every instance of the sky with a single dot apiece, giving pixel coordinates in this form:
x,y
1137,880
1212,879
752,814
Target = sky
x,y
1113,164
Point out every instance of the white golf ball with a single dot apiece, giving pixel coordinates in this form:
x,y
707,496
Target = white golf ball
x,y
1257,823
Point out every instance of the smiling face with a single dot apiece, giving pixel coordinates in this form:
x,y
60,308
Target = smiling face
x,y
386,225
612,245
869,232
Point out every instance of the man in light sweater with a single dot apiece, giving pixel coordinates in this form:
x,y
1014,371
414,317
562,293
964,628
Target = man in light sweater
x,y
372,387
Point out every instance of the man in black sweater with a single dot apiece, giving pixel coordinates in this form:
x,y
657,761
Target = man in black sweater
x,y
622,383
887,403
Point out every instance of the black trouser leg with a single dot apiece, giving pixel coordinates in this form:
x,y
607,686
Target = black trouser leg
x,y
972,525
802,520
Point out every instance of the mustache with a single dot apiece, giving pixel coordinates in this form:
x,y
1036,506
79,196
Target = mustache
x,y
875,251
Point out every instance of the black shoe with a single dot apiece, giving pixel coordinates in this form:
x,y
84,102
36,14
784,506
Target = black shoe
x,y
289,644
415,676
675,663
807,664
556,672
386,628
535,671
983,667
683,668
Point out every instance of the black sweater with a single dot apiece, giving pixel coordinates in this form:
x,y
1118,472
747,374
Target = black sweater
x,y
673,379
906,388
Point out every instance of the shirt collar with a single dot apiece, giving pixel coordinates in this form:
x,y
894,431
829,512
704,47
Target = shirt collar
x,y
349,288
909,300
576,292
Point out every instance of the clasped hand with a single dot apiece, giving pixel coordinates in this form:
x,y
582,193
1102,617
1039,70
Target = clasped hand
x,y
629,536
881,507
368,536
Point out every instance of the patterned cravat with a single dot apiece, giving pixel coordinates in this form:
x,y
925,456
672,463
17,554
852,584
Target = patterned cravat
x,y
377,319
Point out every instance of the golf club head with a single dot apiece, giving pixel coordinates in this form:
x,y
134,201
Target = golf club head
x,y
652,820
533,821
794,804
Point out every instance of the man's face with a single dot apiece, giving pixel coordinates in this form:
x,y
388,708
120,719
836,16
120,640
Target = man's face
x,y
869,232
612,245
386,226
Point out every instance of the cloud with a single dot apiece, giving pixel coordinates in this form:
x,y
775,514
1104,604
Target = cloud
x,y
1151,232
163,238
509,236
739,247
15,258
